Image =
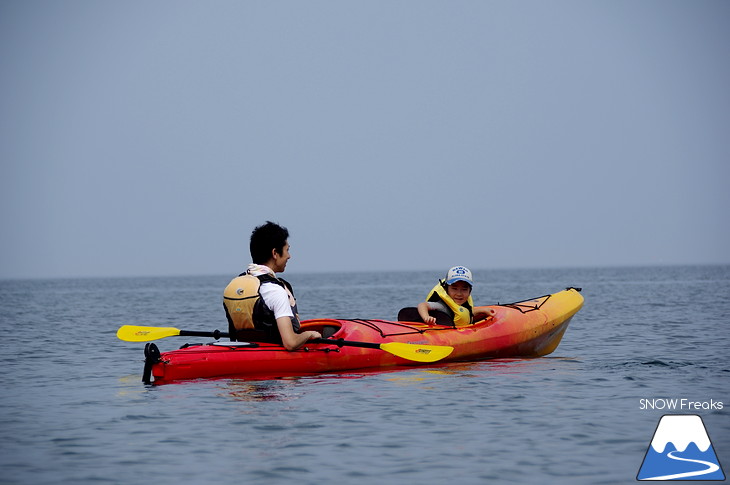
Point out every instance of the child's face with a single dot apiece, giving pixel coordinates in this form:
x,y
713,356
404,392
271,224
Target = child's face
x,y
459,291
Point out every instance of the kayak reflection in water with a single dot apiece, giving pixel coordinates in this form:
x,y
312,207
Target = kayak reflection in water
x,y
449,302
259,305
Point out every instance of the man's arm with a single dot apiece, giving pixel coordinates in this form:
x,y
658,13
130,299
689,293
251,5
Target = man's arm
x,y
291,339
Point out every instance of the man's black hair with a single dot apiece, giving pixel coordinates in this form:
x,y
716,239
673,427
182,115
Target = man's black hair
x,y
266,237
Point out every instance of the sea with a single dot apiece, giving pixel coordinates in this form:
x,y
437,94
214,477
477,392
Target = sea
x,y
649,342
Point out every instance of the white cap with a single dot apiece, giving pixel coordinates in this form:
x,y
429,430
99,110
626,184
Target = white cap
x,y
459,273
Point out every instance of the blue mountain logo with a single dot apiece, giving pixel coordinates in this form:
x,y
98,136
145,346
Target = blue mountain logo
x,y
680,450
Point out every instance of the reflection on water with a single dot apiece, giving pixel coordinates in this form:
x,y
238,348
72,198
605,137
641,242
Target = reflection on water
x,y
481,369
284,389
290,388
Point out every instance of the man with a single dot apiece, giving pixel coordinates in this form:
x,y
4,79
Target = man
x,y
258,300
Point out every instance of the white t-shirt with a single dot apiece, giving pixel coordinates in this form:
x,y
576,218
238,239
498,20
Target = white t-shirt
x,y
277,299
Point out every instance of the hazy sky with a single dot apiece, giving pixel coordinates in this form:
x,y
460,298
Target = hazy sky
x,y
150,137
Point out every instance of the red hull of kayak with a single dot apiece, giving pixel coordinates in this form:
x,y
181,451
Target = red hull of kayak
x,y
530,328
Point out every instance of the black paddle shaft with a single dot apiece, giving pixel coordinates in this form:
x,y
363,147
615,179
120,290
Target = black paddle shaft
x,y
216,334
345,343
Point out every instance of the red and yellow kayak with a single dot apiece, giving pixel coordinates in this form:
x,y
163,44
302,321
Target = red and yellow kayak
x,y
529,328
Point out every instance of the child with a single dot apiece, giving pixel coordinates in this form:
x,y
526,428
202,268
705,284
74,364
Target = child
x,y
452,297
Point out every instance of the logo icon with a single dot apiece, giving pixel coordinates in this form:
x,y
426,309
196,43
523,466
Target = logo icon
x,y
680,450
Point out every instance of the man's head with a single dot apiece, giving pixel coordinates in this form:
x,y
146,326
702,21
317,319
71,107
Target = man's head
x,y
269,245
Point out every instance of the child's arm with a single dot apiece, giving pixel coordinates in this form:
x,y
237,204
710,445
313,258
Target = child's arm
x,y
484,310
423,311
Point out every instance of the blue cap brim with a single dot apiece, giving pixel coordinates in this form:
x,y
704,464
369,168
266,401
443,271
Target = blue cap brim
x,y
454,280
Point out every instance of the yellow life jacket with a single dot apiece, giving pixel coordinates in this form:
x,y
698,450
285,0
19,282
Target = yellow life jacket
x,y
463,315
239,299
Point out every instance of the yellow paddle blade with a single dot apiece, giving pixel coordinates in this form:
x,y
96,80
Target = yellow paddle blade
x,y
417,352
133,333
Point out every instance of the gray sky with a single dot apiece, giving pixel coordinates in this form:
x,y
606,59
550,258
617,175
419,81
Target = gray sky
x,y
149,138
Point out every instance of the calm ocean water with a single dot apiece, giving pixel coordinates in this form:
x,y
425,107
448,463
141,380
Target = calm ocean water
x,y
74,411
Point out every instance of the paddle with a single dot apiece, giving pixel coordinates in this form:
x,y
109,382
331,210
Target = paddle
x,y
133,333
415,352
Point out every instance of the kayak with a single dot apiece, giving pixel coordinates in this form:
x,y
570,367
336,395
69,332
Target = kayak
x,y
528,328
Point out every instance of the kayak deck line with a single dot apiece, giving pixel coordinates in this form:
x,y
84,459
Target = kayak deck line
x,y
520,305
